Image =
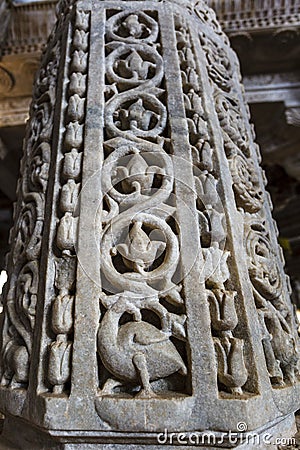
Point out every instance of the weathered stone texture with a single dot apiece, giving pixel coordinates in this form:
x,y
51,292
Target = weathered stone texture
x,y
146,287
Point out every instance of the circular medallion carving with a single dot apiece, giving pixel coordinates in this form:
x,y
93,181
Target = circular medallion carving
x,y
132,27
263,270
134,65
139,113
249,195
146,248
131,171
6,81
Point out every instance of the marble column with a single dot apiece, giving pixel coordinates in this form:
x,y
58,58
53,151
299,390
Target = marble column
x,y
147,301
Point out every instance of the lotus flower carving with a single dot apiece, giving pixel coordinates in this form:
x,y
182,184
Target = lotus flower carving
x,y
139,252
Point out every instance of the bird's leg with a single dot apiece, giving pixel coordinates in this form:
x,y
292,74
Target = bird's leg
x,y
140,363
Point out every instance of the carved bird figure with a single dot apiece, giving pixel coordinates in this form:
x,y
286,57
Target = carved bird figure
x,y
136,352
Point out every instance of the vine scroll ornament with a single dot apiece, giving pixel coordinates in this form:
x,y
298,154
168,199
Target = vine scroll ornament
x,y
140,249
145,278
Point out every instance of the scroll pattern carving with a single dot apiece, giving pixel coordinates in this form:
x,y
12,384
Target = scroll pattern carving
x,y
276,318
232,373
208,17
59,365
21,293
142,330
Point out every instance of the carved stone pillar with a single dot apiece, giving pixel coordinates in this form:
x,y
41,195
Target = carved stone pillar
x,y
146,287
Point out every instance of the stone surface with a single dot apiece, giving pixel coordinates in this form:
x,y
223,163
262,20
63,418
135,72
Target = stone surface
x,y
146,287
264,438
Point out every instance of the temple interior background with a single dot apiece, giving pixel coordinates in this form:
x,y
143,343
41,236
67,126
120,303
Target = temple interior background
x,y
266,37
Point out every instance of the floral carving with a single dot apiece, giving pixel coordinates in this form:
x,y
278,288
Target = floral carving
x,y
141,114
231,366
139,252
139,249
135,64
39,167
263,267
208,17
275,314
59,363
276,319
218,65
60,351
246,184
29,228
232,372
236,138
22,291
133,28
27,289
129,174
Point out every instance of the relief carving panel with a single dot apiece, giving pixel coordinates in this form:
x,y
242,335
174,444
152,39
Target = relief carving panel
x,y
232,372
26,238
141,334
270,289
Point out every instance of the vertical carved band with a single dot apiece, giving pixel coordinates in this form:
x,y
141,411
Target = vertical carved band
x,y
275,313
232,373
141,334
59,365
26,237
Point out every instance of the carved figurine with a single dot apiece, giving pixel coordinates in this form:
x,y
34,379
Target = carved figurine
x,y
137,352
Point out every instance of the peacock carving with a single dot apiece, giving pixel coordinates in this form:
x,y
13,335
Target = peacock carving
x,y
137,352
